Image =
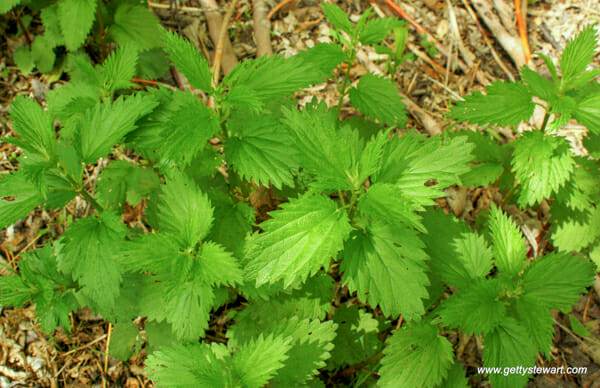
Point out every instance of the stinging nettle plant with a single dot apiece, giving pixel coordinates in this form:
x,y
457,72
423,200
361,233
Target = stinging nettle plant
x,y
235,297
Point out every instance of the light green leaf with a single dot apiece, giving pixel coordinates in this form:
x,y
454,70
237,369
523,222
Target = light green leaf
x,y
297,241
578,54
104,125
377,262
26,198
508,243
187,130
119,68
537,320
13,291
378,29
575,236
557,280
542,164
356,338
122,181
7,5
135,25
76,18
187,308
587,112
259,360
408,349
183,211
86,250
217,266
34,127
188,60
385,202
329,155
475,255
262,152
42,51
509,345
23,59
378,98
505,103
476,309
123,340
337,17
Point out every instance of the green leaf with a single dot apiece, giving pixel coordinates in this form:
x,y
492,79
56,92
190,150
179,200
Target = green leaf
x,y
575,236
187,308
76,18
456,377
7,5
356,338
183,211
476,309
310,348
537,320
34,127
104,125
270,78
542,164
557,280
378,98
539,85
263,153
26,198
323,57
578,54
194,365
337,17
385,202
135,25
410,348
475,256
329,155
259,360
233,221
505,103
189,61
578,327
123,340
508,243
119,68
509,345
85,251
297,241
122,181
187,130
377,261
23,59
378,29
218,267
587,112
42,51
13,291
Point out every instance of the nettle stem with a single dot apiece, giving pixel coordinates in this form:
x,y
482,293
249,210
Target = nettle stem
x,y
91,200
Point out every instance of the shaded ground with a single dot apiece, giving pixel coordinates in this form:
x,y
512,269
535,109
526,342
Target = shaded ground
x,y
432,81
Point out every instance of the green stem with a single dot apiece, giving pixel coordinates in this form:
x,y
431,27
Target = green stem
x,y
545,122
346,81
91,200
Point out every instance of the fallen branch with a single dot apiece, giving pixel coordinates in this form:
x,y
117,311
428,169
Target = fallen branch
x,y
509,43
215,21
262,28
221,42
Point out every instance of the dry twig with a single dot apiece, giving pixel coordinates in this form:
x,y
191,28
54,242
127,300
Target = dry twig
x,y
221,42
215,21
262,28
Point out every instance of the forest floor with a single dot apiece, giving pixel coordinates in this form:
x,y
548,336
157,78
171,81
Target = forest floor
x,y
459,46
